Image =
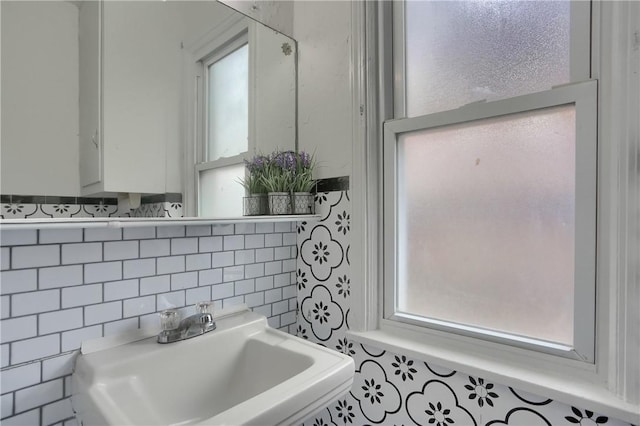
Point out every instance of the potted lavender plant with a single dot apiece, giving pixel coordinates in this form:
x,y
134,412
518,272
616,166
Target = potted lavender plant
x,y
277,179
255,203
302,183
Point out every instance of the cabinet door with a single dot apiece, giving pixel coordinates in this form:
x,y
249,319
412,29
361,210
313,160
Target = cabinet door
x,y
90,94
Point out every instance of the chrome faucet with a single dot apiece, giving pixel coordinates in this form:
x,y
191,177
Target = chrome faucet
x,y
174,330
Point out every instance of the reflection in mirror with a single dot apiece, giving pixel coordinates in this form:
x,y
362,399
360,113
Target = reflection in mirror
x,y
104,111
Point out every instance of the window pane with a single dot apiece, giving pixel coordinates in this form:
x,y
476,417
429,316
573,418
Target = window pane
x,y
486,223
228,118
220,193
459,52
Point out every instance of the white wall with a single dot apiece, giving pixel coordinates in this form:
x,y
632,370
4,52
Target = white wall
x,y
39,141
276,14
322,29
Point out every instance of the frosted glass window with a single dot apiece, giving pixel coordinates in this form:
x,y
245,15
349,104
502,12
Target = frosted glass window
x,y
459,52
486,218
228,105
220,194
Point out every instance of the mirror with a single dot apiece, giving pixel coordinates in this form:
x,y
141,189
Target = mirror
x,y
113,132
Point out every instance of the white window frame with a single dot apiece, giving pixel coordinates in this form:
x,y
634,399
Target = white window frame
x,y
611,385
583,96
197,54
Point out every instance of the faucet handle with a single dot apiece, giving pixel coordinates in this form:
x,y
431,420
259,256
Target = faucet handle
x,y
204,307
169,319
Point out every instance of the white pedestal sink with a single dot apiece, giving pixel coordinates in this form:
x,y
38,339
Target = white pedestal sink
x,y
244,372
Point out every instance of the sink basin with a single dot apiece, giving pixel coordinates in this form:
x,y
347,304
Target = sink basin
x,y
244,372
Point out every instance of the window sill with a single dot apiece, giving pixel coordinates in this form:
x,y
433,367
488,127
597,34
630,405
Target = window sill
x,y
576,388
128,222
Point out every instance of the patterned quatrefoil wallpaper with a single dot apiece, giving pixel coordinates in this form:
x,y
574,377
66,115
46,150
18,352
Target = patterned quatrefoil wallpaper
x,y
391,388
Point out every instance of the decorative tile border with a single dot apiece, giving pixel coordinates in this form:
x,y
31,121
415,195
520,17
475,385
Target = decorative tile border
x,y
36,207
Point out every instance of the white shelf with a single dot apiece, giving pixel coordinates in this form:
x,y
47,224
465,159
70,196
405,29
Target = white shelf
x,y
129,222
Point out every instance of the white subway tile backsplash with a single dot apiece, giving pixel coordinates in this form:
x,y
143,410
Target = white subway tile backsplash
x,y
102,234
222,230
287,318
5,307
59,366
20,377
244,287
101,272
184,246
87,294
199,294
6,409
254,299
5,258
222,291
38,395
274,295
156,284
116,290
264,283
171,264
184,280
32,303
280,307
263,310
289,292
233,273
170,231
19,328
289,239
233,242
282,227
139,306
30,418
60,321
196,262
108,281
102,312
142,233
274,321
210,276
120,327
18,281
282,253
19,237
72,340
35,256
254,241
273,240
120,250
210,244
175,299
254,270
221,259
48,236
245,228
272,268
81,253
264,228
60,276
264,255
243,257
57,411
288,265
155,248
32,349
198,231
4,355
138,268
282,280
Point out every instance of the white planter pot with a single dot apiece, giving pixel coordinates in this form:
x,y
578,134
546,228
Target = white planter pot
x,y
279,203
